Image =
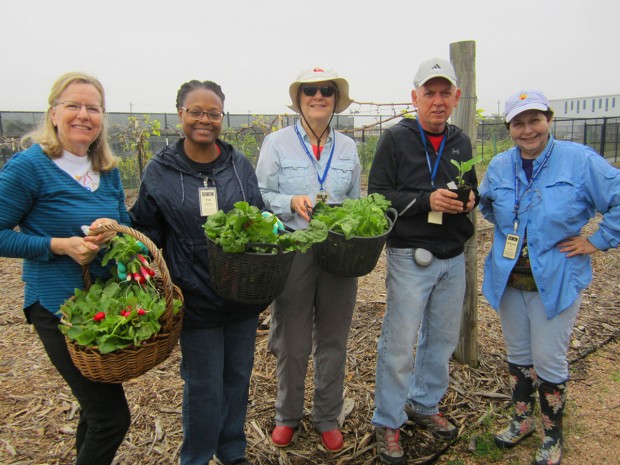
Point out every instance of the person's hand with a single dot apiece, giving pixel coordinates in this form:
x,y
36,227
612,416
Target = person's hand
x,y
442,200
302,205
76,247
471,203
577,245
103,238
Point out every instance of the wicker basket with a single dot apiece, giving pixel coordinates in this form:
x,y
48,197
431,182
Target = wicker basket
x,y
247,277
131,362
352,257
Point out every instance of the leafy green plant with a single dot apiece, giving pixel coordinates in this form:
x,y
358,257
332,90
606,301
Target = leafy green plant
x,y
463,168
122,311
363,217
245,225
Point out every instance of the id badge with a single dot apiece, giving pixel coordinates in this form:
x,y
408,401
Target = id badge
x,y
321,197
435,217
208,200
511,247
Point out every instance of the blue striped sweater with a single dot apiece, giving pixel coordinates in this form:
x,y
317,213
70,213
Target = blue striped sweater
x,y
45,202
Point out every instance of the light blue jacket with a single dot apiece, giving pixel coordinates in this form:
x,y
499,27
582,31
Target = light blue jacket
x,y
575,184
284,169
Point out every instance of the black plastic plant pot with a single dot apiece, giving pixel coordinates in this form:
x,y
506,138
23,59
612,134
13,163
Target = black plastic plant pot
x,y
463,194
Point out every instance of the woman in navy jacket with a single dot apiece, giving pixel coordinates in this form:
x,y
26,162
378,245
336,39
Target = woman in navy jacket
x,y
182,185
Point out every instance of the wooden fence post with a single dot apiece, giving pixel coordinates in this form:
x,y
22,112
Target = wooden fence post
x,y
463,57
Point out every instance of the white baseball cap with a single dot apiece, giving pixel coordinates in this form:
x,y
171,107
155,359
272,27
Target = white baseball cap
x,y
529,99
434,68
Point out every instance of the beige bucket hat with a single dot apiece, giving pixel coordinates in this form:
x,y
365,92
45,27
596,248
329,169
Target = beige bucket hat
x,y
320,75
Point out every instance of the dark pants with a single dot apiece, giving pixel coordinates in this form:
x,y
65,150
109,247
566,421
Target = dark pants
x,y
216,366
104,414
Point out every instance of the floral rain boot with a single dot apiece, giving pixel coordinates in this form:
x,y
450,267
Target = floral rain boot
x,y
552,402
523,382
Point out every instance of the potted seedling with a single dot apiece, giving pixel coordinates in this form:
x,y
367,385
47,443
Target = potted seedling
x,y
462,187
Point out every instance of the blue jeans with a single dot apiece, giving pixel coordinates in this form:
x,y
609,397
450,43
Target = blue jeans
x,y
216,366
423,304
532,339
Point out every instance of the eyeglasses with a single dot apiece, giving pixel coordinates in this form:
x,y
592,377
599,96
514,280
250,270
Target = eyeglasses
x,y
195,113
326,91
75,107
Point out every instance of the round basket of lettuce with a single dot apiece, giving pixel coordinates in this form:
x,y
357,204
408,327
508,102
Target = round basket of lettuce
x,y
250,254
357,232
120,328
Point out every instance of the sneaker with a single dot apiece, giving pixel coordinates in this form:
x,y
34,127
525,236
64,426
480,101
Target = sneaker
x,y
388,446
282,436
332,440
436,423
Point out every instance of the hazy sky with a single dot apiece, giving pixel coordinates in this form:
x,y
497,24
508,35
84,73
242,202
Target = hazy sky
x,y
143,51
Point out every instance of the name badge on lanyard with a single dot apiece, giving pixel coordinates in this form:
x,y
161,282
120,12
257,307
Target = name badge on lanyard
x,y
512,246
321,197
208,200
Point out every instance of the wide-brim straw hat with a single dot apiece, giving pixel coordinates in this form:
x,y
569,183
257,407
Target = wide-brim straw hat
x,y
321,75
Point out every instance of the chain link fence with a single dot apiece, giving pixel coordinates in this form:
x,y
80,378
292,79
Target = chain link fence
x,y
602,134
247,131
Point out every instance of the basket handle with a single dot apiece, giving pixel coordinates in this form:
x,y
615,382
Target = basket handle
x,y
251,245
168,287
392,215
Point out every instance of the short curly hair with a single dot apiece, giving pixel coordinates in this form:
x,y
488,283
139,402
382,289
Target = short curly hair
x,y
194,84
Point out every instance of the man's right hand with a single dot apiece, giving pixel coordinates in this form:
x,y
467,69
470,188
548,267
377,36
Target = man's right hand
x,y
443,200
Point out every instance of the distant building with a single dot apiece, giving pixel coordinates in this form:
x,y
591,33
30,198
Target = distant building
x,y
599,106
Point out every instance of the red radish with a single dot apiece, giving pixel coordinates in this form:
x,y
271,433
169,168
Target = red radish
x,y
99,316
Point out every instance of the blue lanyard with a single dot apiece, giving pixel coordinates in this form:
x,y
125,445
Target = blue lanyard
x,y
320,178
518,197
433,170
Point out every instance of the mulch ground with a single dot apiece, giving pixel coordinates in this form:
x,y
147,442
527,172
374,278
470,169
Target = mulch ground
x,y
40,415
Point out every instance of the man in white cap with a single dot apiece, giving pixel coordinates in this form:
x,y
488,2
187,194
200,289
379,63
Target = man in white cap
x,y
426,267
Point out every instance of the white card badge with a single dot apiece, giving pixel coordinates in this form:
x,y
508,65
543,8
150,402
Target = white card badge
x,y
208,200
321,197
511,247
435,217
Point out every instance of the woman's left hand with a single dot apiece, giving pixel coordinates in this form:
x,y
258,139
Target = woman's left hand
x,y
103,238
577,245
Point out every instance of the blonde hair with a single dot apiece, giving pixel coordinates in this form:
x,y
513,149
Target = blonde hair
x,y
46,134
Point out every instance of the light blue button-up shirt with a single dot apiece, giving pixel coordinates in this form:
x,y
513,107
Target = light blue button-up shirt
x,y
284,170
575,184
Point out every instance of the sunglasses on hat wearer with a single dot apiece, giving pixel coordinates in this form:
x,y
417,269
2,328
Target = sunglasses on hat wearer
x,y
326,91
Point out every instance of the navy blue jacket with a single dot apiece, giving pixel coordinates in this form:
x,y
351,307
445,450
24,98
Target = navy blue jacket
x,y
168,212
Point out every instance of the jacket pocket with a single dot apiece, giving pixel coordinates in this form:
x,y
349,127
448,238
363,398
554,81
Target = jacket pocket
x,y
294,176
340,178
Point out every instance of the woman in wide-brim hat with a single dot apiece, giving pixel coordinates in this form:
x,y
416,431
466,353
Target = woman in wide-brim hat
x,y
299,166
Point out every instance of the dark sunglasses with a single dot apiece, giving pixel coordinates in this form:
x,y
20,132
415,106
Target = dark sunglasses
x,y
326,91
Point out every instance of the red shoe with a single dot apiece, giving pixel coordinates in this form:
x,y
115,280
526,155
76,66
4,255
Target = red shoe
x,y
332,440
282,436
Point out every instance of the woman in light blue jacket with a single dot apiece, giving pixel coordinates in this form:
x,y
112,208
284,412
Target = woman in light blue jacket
x,y
539,195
